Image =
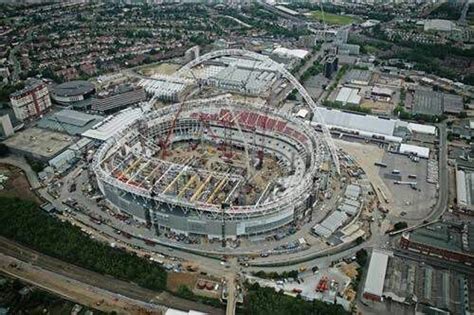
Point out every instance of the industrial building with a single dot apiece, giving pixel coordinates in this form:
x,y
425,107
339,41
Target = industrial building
x,y
290,53
359,77
370,126
72,154
465,186
382,92
445,240
439,25
31,101
429,102
410,149
166,88
69,121
118,101
251,82
437,290
348,49
348,96
330,224
38,144
75,93
374,283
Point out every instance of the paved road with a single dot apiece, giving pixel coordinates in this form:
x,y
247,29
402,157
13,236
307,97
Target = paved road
x,y
465,9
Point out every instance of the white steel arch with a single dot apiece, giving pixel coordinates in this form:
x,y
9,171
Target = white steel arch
x,y
286,74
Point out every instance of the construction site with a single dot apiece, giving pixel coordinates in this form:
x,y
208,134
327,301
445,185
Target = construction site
x,y
215,167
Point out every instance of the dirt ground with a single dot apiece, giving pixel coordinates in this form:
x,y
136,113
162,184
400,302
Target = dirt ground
x,y
17,184
181,278
162,68
366,156
378,107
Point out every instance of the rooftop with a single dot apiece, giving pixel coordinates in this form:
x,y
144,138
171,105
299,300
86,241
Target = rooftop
x,y
73,88
428,102
30,85
376,273
119,100
39,142
359,76
443,235
70,121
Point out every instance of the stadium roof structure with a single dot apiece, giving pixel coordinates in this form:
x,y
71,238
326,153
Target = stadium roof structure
x,y
115,124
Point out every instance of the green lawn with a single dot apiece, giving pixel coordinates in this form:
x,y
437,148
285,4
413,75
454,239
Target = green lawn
x,y
333,19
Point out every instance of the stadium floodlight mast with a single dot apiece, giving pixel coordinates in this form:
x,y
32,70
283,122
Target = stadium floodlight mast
x,y
286,74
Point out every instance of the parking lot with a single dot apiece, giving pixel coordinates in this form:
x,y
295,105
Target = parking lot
x,y
409,202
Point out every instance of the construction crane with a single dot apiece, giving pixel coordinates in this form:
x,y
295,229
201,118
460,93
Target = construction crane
x,y
164,144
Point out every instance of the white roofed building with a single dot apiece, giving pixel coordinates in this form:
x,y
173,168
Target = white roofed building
x,y
414,150
290,53
369,125
348,96
373,288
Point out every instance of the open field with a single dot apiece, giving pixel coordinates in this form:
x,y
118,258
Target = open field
x,y
175,280
16,185
334,19
160,69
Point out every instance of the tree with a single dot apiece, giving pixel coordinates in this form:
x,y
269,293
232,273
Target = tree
x,y
400,226
25,223
3,150
361,257
265,301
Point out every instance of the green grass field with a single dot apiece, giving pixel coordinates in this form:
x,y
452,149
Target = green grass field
x,y
333,19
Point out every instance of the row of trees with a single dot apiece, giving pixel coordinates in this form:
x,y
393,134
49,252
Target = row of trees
x,y
348,107
22,221
401,113
263,301
275,275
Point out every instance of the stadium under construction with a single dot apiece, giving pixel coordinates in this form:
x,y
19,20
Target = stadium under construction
x,y
219,167
196,166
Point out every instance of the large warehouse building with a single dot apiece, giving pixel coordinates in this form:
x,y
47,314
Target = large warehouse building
x,y
450,241
374,283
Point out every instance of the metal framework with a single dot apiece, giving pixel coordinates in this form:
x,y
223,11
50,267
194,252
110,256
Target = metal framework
x,y
285,73
127,161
